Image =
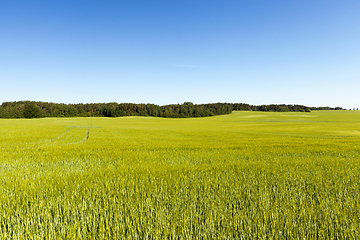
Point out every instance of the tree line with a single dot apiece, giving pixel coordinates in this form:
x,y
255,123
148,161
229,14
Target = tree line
x,y
279,108
33,109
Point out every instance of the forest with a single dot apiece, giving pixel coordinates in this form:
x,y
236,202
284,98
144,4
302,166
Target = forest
x,y
278,108
36,109
32,109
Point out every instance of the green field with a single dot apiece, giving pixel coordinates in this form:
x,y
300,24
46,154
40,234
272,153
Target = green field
x,y
247,175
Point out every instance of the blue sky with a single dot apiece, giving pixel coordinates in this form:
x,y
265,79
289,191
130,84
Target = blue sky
x,y
253,51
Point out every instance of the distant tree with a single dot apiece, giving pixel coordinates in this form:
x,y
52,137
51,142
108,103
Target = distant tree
x,y
31,111
188,103
5,115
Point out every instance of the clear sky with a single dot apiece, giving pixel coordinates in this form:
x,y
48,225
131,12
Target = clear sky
x,y
253,51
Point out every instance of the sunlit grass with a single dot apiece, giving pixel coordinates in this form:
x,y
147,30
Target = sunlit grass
x,y
246,175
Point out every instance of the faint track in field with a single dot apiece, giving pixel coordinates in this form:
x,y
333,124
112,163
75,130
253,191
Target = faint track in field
x,y
87,135
63,134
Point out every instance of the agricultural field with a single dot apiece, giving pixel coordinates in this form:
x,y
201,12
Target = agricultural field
x,y
246,175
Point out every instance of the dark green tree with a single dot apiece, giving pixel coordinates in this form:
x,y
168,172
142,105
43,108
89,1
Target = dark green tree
x,y
31,111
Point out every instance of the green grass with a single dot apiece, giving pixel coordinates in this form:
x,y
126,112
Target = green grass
x,y
247,175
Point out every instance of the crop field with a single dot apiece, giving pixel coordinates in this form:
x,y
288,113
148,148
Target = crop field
x,y
246,175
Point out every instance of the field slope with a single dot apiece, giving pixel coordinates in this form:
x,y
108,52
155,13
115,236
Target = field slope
x,y
247,175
